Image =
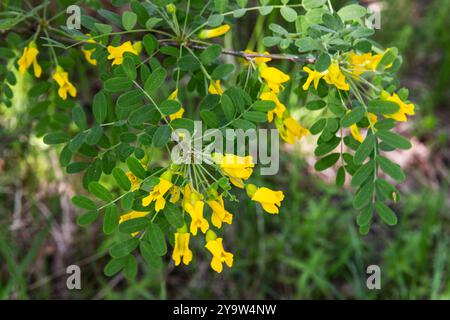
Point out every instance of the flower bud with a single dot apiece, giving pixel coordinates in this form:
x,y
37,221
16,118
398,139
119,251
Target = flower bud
x,y
167,175
250,189
210,235
171,8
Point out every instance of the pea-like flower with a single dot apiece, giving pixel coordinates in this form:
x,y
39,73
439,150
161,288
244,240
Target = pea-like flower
x,y
215,88
212,33
220,214
280,108
335,77
158,192
405,108
356,133
179,113
181,251
237,168
290,129
269,199
116,53
274,78
62,79
313,77
28,58
220,256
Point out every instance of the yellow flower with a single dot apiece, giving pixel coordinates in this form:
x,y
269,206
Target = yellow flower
x,y
212,33
117,53
279,107
219,214
132,215
181,248
219,255
290,129
215,88
62,79
274,78
157,194
236,168
360,63
313,77
175,194
193,205
269,199
334,76
195,211
88,56
356,133
405,109
134,181
179,113
258,60
29,57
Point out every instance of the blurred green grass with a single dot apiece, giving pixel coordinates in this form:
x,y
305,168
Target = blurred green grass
x,y
311,250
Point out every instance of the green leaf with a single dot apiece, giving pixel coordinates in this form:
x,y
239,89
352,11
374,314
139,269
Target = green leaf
x,y
386,214
315,105
56,138
124,248
155,80
391,169
169,107
134,225
161,136
114,266
365,216
327,162
324,148
136,168
87,218
188,63
255,116
150,43
84,203
382,107
317,127
100,191
99,107
310,4
263,105
221,71
210,118
215,20
289,14
323,62
127,201
363,173
353,117
227,107
131,268
117,84
365,149
76,143
385,190
394,140
129,68
340,177
121,179
364,195
79,117
149,255
352,12
110,219
129,20
210,54
173,215
155,236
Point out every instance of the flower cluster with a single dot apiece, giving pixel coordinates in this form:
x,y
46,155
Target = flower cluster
x,y
195,194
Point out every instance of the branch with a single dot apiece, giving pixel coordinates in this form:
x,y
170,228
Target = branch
x,y
249,56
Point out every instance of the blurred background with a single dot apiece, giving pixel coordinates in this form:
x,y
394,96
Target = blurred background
x,y
312,250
